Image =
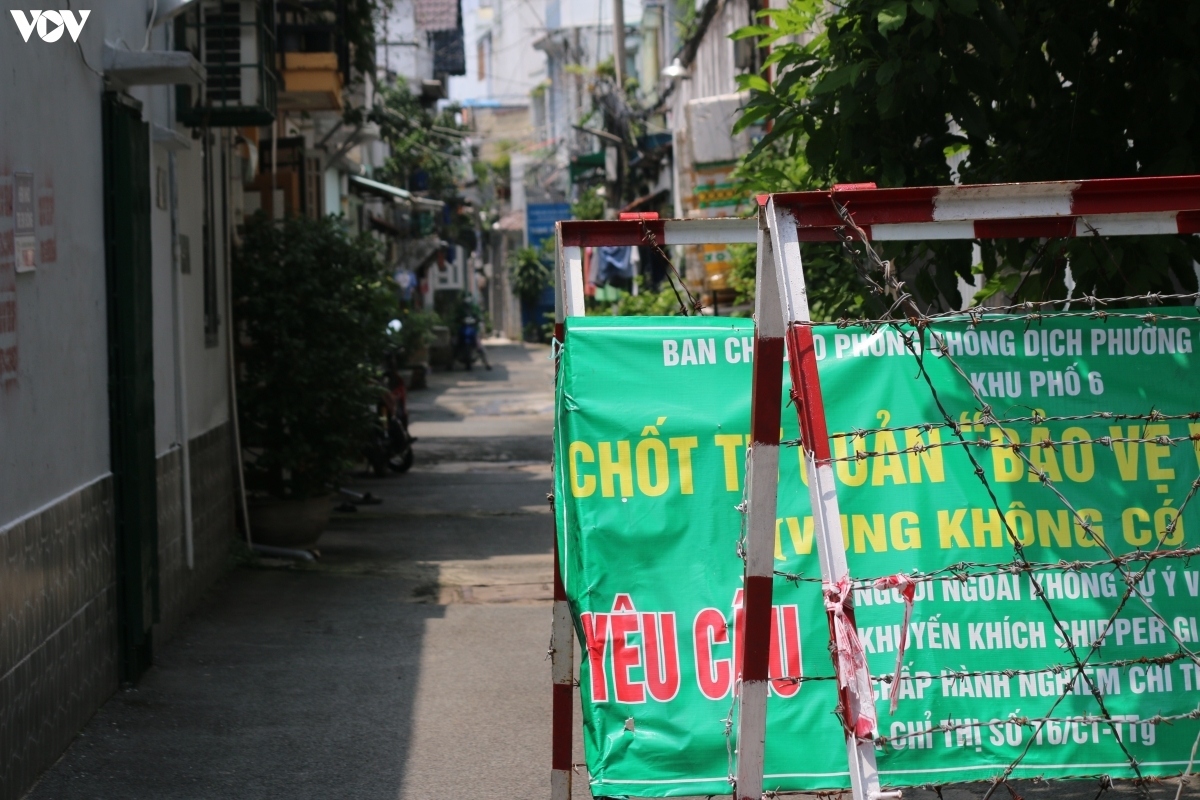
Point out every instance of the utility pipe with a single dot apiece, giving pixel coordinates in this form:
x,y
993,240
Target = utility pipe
x,y
182,430
232,375
619,44
181,407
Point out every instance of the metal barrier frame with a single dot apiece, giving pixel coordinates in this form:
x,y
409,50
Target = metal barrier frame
x,y
1059,209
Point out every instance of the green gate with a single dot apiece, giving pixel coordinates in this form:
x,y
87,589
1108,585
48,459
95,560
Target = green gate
x,y
131,376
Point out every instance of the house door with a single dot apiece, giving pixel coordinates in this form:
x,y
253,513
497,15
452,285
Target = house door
x,y
131,376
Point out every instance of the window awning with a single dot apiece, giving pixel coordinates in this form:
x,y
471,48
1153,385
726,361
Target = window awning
x,y
396,193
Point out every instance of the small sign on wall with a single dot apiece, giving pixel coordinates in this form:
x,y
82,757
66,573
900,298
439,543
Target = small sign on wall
x,y
24,234
9,357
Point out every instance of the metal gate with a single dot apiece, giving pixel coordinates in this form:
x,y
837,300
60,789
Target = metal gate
x,y
131,376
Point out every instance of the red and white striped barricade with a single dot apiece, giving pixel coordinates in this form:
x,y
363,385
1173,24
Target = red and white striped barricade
x,y
1059,209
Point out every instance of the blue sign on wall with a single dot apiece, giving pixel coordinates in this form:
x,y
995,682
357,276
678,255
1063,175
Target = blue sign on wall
x,y
539,226
540,219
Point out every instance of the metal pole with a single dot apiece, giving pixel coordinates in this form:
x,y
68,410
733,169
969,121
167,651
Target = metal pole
x,y
231,375
568,302
562,669
762,479
181,407
827,524
618,26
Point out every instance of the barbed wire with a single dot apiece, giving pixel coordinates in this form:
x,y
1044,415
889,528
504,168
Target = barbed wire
x,y
1132,567
1019,557
1038,723
963,571
1131,580
1033,419
1091,301
992,318
1053,669
893,287
960,674
1013,445
1106,783
676,280
1028,310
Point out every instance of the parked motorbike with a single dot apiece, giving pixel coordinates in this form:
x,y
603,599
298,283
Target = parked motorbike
x,y
467,348
468,342
391,445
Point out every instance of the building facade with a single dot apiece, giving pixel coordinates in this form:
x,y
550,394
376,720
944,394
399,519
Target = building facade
x,y
134,143
118,491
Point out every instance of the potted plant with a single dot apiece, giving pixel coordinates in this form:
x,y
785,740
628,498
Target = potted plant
x,y
529,277
416,334
313,306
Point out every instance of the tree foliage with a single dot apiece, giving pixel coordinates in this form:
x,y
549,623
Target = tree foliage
x,y
359,19
895,91
648,302
833,291
427,144
313,306
528,273
590,205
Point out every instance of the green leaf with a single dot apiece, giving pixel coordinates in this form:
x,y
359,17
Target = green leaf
x,y
752,81
996,284
836,78
775,56
750,115
964,7
950,151
885,100
753,30
926,8
792,80
820,147
892,16
887,71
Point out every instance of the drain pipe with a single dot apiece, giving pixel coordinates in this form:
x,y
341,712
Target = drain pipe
x,y
181,409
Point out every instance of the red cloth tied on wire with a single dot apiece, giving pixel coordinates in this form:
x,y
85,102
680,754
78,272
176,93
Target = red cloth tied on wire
x,y
907,588
850,660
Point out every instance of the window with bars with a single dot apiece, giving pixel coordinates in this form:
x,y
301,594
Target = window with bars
x,y
233,41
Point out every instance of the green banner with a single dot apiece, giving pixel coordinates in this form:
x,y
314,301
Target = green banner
x,y
651,433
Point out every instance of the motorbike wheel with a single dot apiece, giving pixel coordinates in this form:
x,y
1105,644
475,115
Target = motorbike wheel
x,y
403,462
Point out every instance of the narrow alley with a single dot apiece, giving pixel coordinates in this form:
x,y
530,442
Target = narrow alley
x,y
374,672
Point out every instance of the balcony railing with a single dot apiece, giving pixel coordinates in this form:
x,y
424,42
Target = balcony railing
x,y
232,40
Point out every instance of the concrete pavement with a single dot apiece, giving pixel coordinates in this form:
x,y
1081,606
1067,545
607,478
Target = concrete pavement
x,y
409,662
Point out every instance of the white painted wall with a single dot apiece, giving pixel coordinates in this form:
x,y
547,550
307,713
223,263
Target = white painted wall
x,y
206,382
54,417
54,427
513,66
578,13
401,49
